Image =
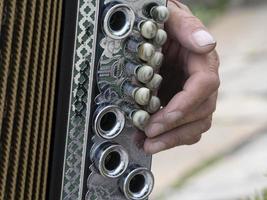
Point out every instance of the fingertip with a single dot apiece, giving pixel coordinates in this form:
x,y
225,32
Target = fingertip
x,y
147,148
189,31
202,41
153,147
154,129
164,121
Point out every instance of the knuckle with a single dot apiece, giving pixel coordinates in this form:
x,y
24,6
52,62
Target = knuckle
x,y
214,81
209,81
193,140
218,82
197,139
212,105
207,109
213,108
206,124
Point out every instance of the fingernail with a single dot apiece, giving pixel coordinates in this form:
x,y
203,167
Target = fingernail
x,y
203,38
174,116
155,147
154,130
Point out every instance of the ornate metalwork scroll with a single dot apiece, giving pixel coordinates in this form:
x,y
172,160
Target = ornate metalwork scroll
x,y
80,101
113,93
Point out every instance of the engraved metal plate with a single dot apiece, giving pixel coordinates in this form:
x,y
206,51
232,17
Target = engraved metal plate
x,y
103,149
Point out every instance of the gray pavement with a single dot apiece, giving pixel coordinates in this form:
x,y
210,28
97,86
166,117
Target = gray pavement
x,y
240,175
242,108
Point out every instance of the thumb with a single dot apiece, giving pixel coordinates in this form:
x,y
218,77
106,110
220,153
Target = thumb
x,y
188,30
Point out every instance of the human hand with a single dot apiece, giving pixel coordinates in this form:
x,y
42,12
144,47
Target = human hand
x,y
190,85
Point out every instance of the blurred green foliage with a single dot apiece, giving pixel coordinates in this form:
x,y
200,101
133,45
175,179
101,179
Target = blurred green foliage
x,y
198,169
208,11
263,196
259,196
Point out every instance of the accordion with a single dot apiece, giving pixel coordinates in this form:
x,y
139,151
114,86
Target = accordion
x,y
78,83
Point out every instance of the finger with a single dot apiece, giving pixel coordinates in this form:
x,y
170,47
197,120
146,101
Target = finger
x,y
185,135
169,72
202,83
171,50
180,5
188,30
203,111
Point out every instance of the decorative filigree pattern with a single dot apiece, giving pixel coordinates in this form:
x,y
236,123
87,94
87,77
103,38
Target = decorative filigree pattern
x,y
80,100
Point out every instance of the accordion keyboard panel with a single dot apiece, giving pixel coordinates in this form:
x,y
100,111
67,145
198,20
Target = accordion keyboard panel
x,y
29,43
113,93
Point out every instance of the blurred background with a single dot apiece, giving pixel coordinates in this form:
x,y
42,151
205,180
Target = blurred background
x,y
230,162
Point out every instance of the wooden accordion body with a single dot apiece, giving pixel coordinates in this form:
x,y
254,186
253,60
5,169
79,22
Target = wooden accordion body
x,y
70,107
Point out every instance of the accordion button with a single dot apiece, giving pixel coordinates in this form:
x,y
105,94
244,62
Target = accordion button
x,y
142,96
160,38
144,74
140,119
154,84
156,60
154,105
160,14
146,51
148,29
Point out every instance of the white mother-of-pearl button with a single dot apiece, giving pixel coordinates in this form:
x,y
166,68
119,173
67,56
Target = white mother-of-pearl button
x,y
142,96
144,74
155,82
156,60
160,38
146,51
160,14
154,105
148,29
140,118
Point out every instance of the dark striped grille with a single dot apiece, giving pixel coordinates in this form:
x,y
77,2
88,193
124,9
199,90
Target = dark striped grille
x,y
29,43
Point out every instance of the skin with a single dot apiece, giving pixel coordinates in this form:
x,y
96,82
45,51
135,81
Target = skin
x,y
190,87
